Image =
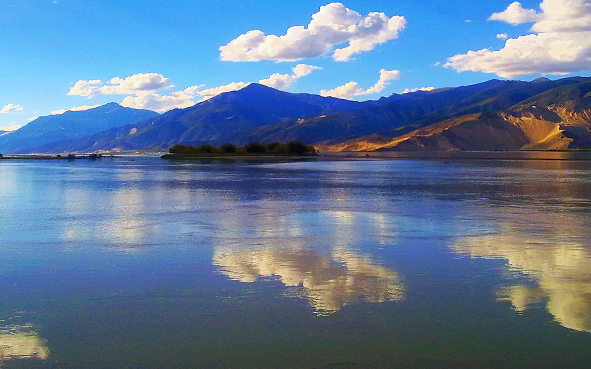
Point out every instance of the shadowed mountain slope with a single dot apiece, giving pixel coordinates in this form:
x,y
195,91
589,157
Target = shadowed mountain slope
x,y
51,129
216,121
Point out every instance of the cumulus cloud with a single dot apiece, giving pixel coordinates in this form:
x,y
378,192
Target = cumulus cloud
x,y
138,83
159,103
276,80
211,92
560,42
283,81
515,14
142,90
409,90
502,36
332,25
11,108
77,108
10,128
352,89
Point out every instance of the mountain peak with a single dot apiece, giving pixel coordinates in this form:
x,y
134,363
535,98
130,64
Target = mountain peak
x,y
108,106
540,80
257,87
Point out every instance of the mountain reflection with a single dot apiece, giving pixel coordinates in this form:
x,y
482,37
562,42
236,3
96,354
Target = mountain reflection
x,y
20,342
329,281
550,248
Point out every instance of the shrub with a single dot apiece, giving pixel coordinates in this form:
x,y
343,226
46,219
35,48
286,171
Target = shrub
x,y
297,148
255,148
280,149
228,148
206,149
178,149
271,146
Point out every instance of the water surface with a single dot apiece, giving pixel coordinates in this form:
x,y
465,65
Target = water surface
x,y
143,263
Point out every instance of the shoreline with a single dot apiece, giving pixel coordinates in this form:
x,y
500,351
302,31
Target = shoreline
x,y
552,155
56,157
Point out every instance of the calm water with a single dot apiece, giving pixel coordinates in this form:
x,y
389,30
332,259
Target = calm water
x,y
142,263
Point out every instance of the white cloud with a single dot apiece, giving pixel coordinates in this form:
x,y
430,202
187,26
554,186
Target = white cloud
x,y
158,103
211,92
283,81
10,128
32,119
331,26
138,83
77,108
502,36
352,89
515,14
560,44
11,108
276,80
142,89
564,16
409,90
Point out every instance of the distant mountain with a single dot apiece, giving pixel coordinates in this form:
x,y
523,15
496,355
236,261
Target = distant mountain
x,y
400,114
221,119
559,118
260,113
50,130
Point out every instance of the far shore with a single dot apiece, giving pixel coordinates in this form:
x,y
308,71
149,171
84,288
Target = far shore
x,y
564,155
56,157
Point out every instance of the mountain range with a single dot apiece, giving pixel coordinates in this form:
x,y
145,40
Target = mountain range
x,y
559,118
45,132
493,115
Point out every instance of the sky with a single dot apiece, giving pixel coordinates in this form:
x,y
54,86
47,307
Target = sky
x,y
58,55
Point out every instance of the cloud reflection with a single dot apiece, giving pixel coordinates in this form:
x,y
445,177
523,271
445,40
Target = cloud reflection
x,y
550,249
21,342
329,281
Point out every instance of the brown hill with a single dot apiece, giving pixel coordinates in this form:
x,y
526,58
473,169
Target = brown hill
x,y
557,119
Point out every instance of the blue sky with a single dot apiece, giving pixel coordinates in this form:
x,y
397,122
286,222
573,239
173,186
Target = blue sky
x,y
167,54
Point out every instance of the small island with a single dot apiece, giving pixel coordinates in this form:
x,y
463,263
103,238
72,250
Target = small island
x,y
252,149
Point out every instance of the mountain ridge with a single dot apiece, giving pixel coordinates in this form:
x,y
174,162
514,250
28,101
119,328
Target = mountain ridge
x,y
559,118
399,121
51,129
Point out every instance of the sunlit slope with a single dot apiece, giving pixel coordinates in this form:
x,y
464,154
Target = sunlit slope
x,y
556,119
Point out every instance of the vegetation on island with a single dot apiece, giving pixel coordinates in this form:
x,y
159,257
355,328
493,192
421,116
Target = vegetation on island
x,y
292,148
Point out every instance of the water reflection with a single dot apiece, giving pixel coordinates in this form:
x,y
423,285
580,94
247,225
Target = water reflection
x,y
549,248
329,281
21,342
313,251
